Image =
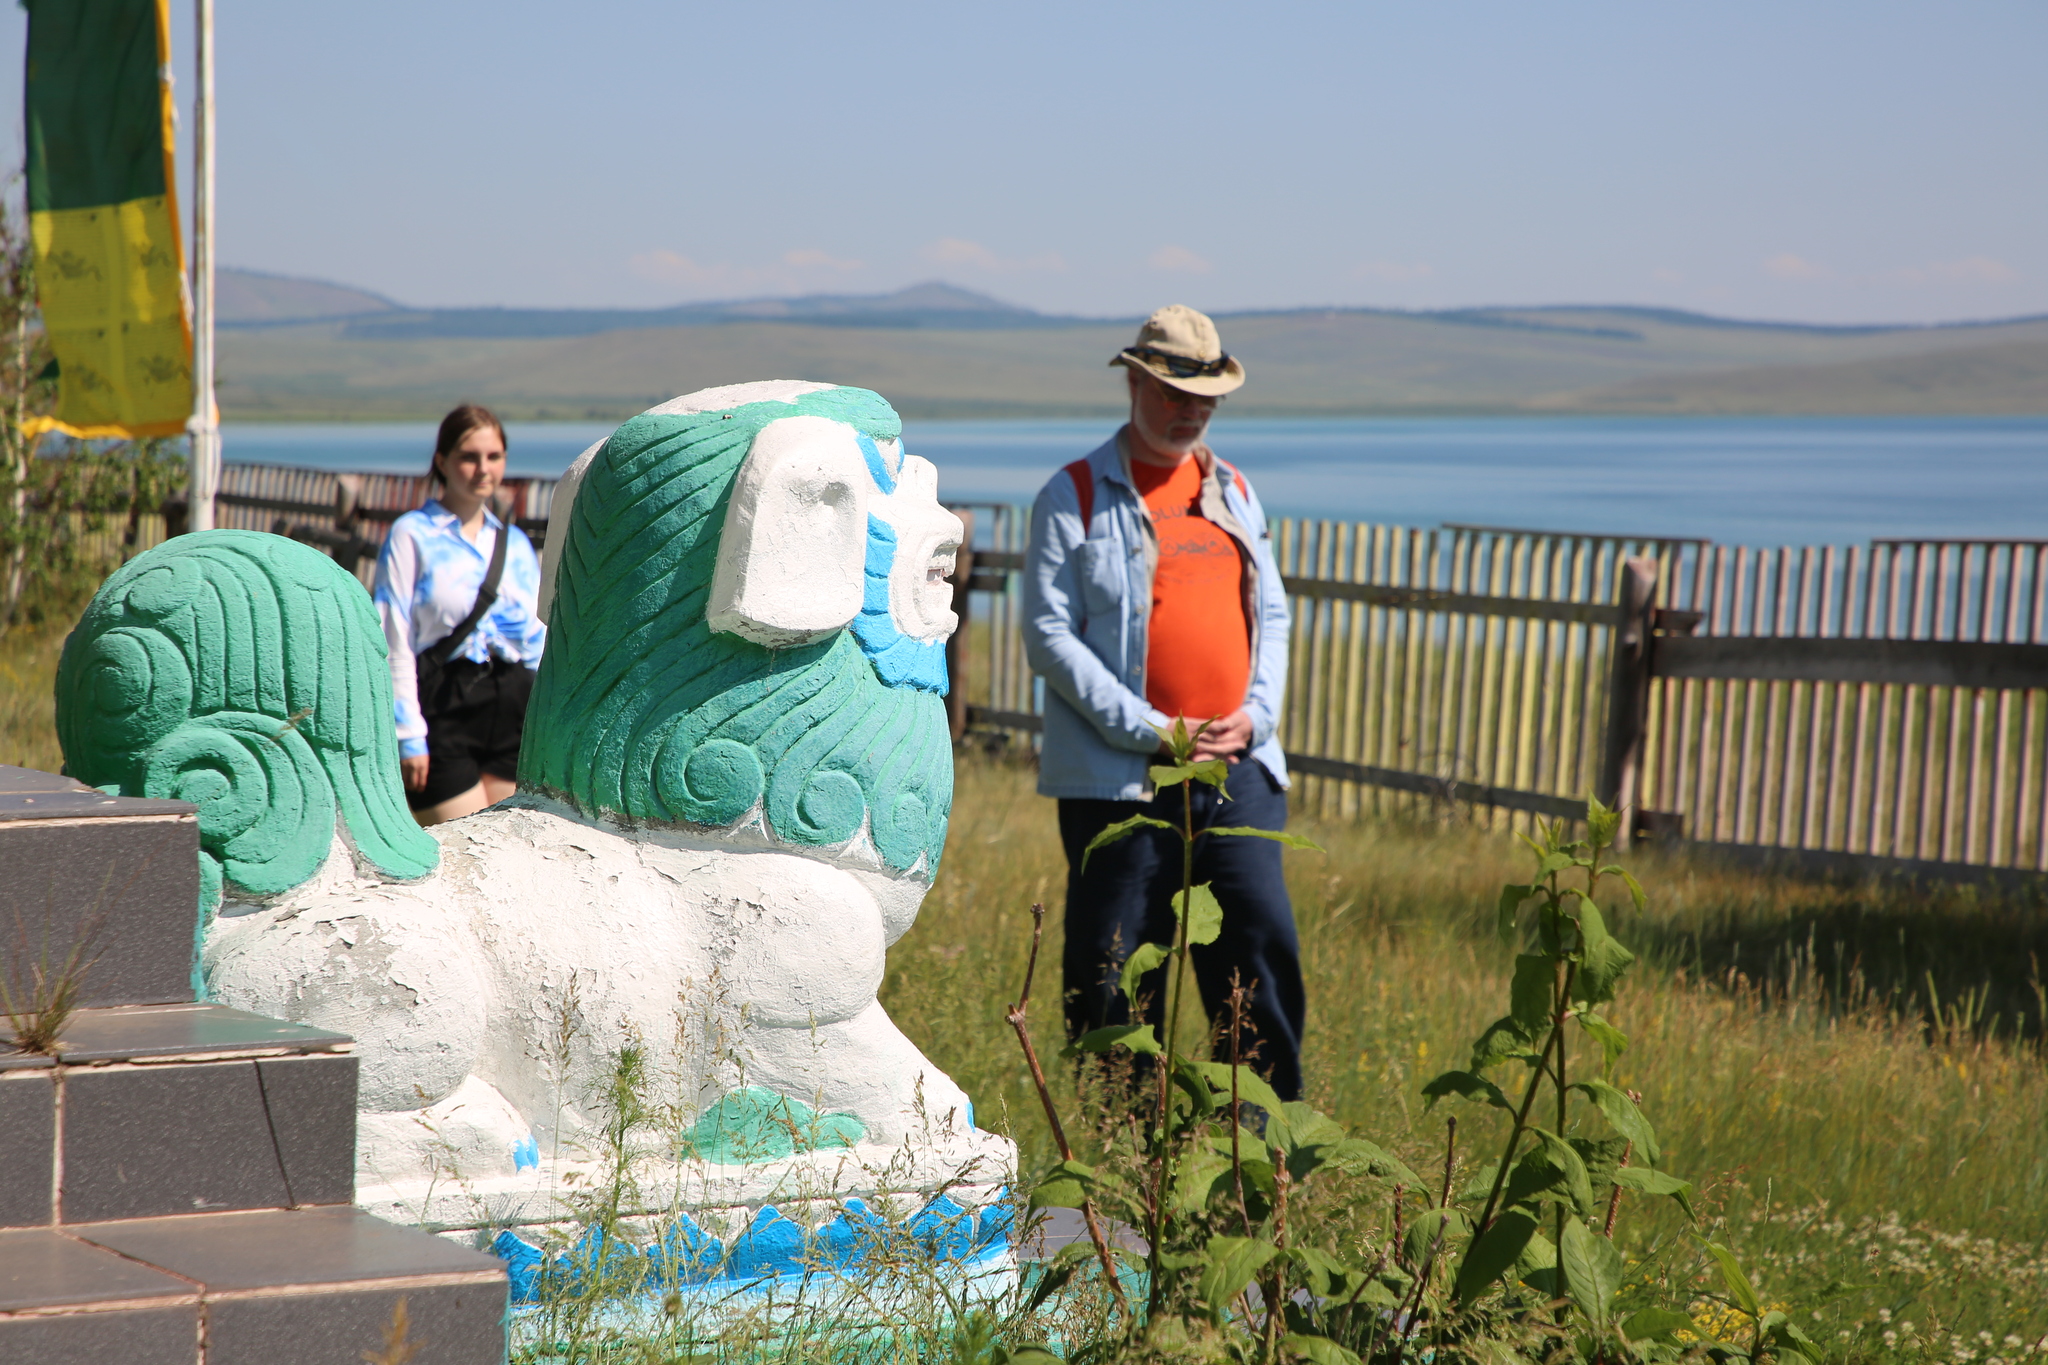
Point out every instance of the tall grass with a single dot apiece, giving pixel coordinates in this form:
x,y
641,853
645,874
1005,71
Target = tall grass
x,y
1852,1071
1876,1144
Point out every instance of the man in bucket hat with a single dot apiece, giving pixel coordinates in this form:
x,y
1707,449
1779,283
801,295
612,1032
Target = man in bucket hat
x,y
1150,593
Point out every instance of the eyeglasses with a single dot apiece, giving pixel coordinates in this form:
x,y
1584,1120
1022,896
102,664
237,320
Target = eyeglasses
x,y
1179,366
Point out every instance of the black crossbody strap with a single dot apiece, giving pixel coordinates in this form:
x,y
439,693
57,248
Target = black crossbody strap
x,y
444,649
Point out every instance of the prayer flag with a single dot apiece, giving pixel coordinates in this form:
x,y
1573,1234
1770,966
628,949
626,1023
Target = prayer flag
x,y
103,215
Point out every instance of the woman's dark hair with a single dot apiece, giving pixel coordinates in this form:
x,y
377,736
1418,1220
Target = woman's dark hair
x,y
455,429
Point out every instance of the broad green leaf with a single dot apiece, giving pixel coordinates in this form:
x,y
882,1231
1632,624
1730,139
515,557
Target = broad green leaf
x,y
1621,1111
1204,913
1540,1254
1592,924
1592,1271
1646,1181
1601,1155
1453,1224
1493,1253
1321,1272
1602,824
1148,956
1550,1168
1360,1154
1066,1186
1278,836
1194,1180
1786,1336
1055,1277
1251,1087
1613,1042
1232,1262
1655,1324
1213,771
1739,1287
1117,831
1306,1127
1027,1355
1191,1082
1466,1085
1138,1038
1559,861
1530,995
1504,1040
1317,1350
1511,898
1600,966
1635,888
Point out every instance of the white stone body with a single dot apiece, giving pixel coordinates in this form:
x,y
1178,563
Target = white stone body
x,y
490,1000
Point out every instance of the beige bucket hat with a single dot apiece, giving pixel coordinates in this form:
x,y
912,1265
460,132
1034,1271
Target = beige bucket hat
x,y
1180,347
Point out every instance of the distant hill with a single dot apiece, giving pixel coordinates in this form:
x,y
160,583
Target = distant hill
x,y
936,350
921,305
243,298
2006,378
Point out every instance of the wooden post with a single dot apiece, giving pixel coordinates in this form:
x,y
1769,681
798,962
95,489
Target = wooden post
x,y
956,643
1628,692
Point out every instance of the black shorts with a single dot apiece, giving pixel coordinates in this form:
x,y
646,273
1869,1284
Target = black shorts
x,y
475,713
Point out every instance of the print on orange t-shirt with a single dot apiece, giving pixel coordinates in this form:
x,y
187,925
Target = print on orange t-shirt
x,y
1198,658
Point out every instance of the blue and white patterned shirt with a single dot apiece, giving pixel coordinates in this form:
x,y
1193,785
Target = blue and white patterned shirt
x,y
427,579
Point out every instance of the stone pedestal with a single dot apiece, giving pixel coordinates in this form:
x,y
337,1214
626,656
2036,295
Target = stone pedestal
x,y
179,1177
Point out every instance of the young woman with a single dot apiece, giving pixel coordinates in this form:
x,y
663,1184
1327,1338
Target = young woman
x,y
459,720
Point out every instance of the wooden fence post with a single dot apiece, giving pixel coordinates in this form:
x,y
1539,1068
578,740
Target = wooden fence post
x,y
1628,692
956,643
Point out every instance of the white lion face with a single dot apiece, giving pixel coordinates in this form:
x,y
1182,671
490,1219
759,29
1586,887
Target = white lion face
x,y
826,530
927,545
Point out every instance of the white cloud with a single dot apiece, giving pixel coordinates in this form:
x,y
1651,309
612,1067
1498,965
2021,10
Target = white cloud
x,y
1393,272
1786,266
973,255
1179,260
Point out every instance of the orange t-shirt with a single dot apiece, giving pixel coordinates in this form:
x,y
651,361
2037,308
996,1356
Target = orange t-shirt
x,y
1198,657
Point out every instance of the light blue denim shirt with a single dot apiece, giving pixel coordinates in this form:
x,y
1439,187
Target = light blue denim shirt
x,y
1087,603
427,578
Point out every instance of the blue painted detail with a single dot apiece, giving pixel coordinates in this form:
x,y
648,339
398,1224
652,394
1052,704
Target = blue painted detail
x,y
771,1247
523,1265
877,466
970,1113
898,660
998,1221
525,1154
685,1255
944,1229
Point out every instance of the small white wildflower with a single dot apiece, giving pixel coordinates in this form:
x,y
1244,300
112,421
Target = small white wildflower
x,y
2012,1340
1891,1338
1884,1315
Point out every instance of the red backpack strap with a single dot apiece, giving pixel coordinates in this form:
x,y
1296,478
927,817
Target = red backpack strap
x,y
1084,489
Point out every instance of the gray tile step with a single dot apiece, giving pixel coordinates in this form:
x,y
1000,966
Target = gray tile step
x,y
304,1287
118,874
152,1111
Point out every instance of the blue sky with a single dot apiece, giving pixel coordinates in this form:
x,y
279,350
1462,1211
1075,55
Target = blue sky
x,y
1841,162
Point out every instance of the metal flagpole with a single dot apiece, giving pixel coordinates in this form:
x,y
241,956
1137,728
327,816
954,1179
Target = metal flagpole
x,y
205,423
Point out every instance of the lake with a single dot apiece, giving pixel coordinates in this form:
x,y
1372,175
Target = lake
x,y
1737,480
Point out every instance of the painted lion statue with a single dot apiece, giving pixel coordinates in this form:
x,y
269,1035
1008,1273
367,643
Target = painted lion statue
x,y
734,789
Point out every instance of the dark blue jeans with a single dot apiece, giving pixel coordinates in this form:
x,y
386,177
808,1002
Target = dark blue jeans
x,y
1125,897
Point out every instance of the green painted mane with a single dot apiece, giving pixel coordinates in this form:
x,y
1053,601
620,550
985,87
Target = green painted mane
x,y
245,673
641,711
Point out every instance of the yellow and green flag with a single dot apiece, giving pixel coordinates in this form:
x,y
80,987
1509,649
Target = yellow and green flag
x,y
103,214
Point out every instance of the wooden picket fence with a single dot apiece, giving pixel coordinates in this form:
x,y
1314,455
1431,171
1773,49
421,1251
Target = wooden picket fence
x,y
1884,702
